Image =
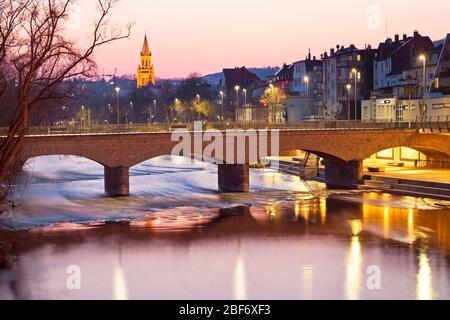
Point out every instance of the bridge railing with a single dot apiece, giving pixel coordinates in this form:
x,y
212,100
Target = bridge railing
x,y
425,125
437,124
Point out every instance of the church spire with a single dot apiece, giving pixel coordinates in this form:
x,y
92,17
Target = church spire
x,y
146,47
146,71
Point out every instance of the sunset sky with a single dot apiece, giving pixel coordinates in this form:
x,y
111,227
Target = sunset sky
x,y
208,35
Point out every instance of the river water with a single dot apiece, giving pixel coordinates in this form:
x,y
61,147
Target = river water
x,y
176,237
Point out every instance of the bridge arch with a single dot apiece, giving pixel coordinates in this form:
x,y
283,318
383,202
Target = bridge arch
x,y
30,157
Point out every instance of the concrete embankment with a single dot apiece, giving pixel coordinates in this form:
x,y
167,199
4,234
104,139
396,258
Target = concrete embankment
x,y
391,184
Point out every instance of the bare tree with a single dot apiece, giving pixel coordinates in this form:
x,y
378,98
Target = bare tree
x,y
11,16
43,59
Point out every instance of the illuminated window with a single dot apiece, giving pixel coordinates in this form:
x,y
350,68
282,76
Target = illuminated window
x,y
358,57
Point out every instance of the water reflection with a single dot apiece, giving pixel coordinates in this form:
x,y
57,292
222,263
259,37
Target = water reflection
x,y
119,282
424,277
240,290
354,263
199,244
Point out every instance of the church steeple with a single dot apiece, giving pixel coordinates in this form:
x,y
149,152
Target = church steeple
x,y
145,71
146,47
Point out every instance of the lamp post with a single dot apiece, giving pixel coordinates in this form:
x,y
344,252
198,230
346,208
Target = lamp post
x,y
349,86
198,103
357,76
108,110
64,108
245,97
132,111
424,61
156,110
306,80
82,118
177,101
237,88
118,108
223,102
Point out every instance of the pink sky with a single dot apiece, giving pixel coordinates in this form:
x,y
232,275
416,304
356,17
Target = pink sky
x,y
208,35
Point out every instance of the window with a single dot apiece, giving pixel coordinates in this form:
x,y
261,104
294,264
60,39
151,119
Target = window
x,y
358,58
438,106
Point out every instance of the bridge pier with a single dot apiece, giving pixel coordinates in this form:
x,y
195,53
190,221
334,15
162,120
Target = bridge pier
x,y
342,174
234,178
117,181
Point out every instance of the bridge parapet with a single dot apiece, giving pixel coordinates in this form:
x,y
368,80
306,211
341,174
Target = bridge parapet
x,y
428,125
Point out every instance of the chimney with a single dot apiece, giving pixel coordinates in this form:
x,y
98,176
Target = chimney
x,y
314,58
416,34
397,38
405,36
331,52
309,54
338,47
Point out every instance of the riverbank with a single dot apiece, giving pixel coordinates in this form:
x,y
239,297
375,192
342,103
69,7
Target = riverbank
x,y
416,182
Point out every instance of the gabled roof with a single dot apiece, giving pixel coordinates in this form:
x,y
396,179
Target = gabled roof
x,y
344,51
239,76
386,49
286,72
404,56
310,64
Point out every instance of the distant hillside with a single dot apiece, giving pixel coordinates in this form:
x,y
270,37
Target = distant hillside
x,y
262,73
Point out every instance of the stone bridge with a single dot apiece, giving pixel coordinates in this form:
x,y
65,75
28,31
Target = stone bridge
x,y
343,151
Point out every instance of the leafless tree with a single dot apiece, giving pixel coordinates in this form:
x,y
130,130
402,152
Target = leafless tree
x,y
42,59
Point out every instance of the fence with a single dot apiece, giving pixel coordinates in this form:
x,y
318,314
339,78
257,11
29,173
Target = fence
x,y
434,164
430,125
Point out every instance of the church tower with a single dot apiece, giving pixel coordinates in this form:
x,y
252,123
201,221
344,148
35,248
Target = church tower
x,y
145,72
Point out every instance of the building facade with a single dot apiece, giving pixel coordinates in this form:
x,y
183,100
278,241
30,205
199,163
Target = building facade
x,y
411,81
392,109
145,72
305,99
398,66
341,67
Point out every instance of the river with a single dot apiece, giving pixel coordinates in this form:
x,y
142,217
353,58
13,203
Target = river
x,y
176,237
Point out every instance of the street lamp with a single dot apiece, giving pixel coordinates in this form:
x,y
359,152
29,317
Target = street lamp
x,y
237,88
108,111
118,108
150,111
65,113
357,76
424,61
222,94
132,112
349,86
198,103
306,80
177,101
83,123
245,97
